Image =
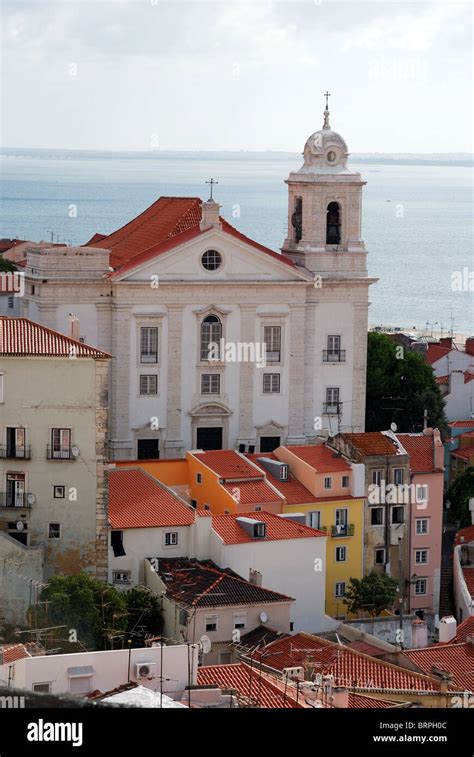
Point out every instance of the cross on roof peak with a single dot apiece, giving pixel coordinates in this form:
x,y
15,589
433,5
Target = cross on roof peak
x,y
327,95
212,182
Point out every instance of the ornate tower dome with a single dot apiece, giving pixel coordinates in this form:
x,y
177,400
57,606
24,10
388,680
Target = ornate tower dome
x,y
325,150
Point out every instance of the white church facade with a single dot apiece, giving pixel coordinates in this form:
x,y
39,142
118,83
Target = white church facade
x,y
218,341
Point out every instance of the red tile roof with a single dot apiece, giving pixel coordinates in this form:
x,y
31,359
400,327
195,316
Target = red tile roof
x,y
238,235
350,668
227,527
464,453
442,379
293,491
12,653
457,659
201,583
465,629
461,424
464,535
137,500
228,464
250,685
372,443
435,352
421,451
20,337
360,701
254,493
321,458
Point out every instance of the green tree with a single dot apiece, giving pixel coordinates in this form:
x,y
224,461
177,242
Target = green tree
x,y
6,265
400,387
144,614
459,494
373,593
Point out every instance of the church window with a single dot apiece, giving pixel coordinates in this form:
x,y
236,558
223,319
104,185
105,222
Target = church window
x,y
211,333
211,260
148,384
272,340
333,224
210,383
271,383
331,156
149,344
297,220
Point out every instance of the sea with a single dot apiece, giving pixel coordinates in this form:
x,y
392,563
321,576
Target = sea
x,y
417,219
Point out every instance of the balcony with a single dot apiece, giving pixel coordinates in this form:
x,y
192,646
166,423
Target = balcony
x,y
59,454
342,531
332,408
334,356
18,500
15,453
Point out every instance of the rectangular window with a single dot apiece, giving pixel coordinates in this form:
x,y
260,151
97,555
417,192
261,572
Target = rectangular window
x,y
421,556
340,589
377,477
42,688
398,476
59,492
260,530
171,539
376,516
421,586
61,443
148,384
345,482
211,622
314,519
421,525
122,576
271,383
198,478
341,553
341,517
116,542
210,383
16,490
54,531
334,345
328,482
379,557
332,400
398,514
149,344
272,341
240,620
421,493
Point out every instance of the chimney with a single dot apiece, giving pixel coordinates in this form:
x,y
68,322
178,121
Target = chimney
x,y
255,577
469,346
419,634
447,628
446,341
74,327
210,215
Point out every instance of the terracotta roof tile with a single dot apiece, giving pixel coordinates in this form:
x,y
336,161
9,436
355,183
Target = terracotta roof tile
x,y
457,659
464,535
251,686
20,337
435,352
254,493
12,653
293,491
321,458
228,528
465,629
461,424
442,379
421,451
137,500
360,701
372,443
228,464
464,453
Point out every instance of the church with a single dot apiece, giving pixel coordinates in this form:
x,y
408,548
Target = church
x,y
218,341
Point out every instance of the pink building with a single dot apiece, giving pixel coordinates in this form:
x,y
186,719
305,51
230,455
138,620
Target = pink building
x,y
426,519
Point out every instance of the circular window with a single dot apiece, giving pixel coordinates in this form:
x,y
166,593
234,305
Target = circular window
x,y
211,260
331,156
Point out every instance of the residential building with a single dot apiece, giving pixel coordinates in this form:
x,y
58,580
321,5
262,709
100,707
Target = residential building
x,y
199,600
463,455
463,573
53,445
451,444
454,373
337,510
453,662
426,455
170,291
147,520
21,578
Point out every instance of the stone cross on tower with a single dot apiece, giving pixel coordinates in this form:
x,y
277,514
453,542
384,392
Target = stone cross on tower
x,y
212,182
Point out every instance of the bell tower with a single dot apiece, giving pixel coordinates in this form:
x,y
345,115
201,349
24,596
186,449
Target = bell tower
x,y
324,207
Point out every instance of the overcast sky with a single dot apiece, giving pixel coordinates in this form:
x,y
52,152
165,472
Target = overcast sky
x,y
143,74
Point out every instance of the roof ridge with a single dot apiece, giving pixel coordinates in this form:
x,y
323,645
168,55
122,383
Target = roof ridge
x,y
40,327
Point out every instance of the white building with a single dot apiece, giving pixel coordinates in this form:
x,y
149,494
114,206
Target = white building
x,y
157,292
454,372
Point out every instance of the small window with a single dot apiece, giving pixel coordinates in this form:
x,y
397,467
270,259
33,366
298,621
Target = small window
x,y
377,477
54,531
272,341
398,514
61,444
328,482
199,478
379,557
421,586
33,289
171,539
260,530
194,503
421,525
341,553
271,383
116,542
398,476
148,385
211,260
59,492
256,509
148,449
340,589
241,447
207,507
332,404
210,383
345,482
314,519
149,344
421,556
421,493
211,623
376,516
240,620
122,576
42,688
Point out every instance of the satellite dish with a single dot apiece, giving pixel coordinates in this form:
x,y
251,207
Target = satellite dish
x,y
20,525
75,451
263,616
205,644
393,427
31,499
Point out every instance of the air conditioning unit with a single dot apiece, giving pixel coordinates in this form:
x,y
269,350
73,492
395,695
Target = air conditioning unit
x,y
146,670
295,674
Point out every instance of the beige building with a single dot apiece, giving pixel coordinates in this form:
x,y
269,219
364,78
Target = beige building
x,y
53,445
